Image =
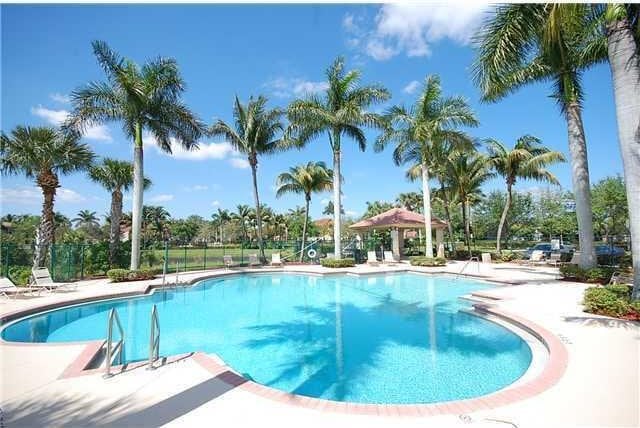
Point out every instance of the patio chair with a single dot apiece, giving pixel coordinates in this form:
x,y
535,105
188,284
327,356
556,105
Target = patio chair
x,y
537,257
555,259
275,259
42,281
372,259
486,257
253,260
7,288
228,261
389,258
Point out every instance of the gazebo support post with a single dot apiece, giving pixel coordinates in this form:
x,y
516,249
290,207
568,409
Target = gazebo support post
x,y
397,242
440,242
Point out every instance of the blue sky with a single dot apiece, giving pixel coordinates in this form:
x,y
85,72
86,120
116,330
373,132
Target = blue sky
x,y
280,51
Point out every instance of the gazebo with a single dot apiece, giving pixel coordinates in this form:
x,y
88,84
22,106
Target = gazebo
x,y
399,219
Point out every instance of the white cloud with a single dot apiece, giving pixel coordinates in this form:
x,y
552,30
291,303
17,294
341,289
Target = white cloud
x,y
351,213
33,195
239,163
56,117
60,98
215,203
196,188
289,87
411,87
163,197
413,27
205,150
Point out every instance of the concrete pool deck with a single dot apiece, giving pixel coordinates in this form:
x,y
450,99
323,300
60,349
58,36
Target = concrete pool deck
x,y
600,386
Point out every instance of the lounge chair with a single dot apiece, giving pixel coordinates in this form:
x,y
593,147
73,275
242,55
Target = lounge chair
x,y
275,259
537,257
388,258
486,257
7,287
228,261
253,260
555,259
42,281
372,259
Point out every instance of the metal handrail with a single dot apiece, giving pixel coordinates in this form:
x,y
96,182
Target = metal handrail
x,y
471,259
302,250
154,338
113,351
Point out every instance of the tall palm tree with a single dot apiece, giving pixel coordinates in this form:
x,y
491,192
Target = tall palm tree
x,y
242,216
146,98
328,210
340,111
43,153
427,128
156,218
257,131
526,43
86,218
222,217
527,160
115,176
314,177
467,171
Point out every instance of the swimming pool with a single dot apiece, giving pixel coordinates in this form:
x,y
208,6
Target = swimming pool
x,y
398,338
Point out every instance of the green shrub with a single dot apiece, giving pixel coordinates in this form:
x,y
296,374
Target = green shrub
x,y
460,254
600,275
428,261
337,263
623,291
509,257
20,274
120,275
573,272
602,301
626,261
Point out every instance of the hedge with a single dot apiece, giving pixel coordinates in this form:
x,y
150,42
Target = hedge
x,y
612,300
601,275
427,261
120,275
337,263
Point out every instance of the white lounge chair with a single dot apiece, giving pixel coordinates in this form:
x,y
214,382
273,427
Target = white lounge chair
x,y
372,259
555,259
389,258
537,257
486,257
253,260
42,281
275,259
228,261
7,288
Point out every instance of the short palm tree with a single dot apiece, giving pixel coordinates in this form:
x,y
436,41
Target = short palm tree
x,y
86,218
257,131
141,98
43,153
411,201
116,176
422,132
242,215
527,160
522,44
156,219
314,177
340,111
467,171
222,217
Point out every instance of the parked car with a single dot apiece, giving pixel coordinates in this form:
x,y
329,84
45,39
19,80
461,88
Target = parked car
x,y
608,255
566,251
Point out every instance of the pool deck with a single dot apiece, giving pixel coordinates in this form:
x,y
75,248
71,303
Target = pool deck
x,y
600,386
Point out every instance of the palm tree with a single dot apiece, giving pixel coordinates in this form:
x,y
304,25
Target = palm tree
x,y
411,201
115,176
156,219
527,43
328,210
467,171
256,131
43,153
527,160
222,217
141,98
421,132
86,218
341,111
242,216
314,177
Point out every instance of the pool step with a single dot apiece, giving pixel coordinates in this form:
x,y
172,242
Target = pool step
x,y
473,298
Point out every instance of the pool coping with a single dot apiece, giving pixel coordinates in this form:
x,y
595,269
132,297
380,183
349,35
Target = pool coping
x,y
551,373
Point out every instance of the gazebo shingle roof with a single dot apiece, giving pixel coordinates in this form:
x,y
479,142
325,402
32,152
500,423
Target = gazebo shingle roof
x,y
397,217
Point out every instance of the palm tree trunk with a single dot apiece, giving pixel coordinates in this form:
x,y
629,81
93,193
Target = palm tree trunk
x,y
581,185
138,188
503,218
304,226
46,228
253,161
624,61
426,205
447,213
337,203
114,232
465,224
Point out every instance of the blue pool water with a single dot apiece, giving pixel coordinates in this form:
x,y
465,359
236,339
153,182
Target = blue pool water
x,y
385,339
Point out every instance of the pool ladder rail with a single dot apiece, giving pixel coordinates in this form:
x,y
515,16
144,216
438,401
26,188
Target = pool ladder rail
x,y
466,264
115,352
